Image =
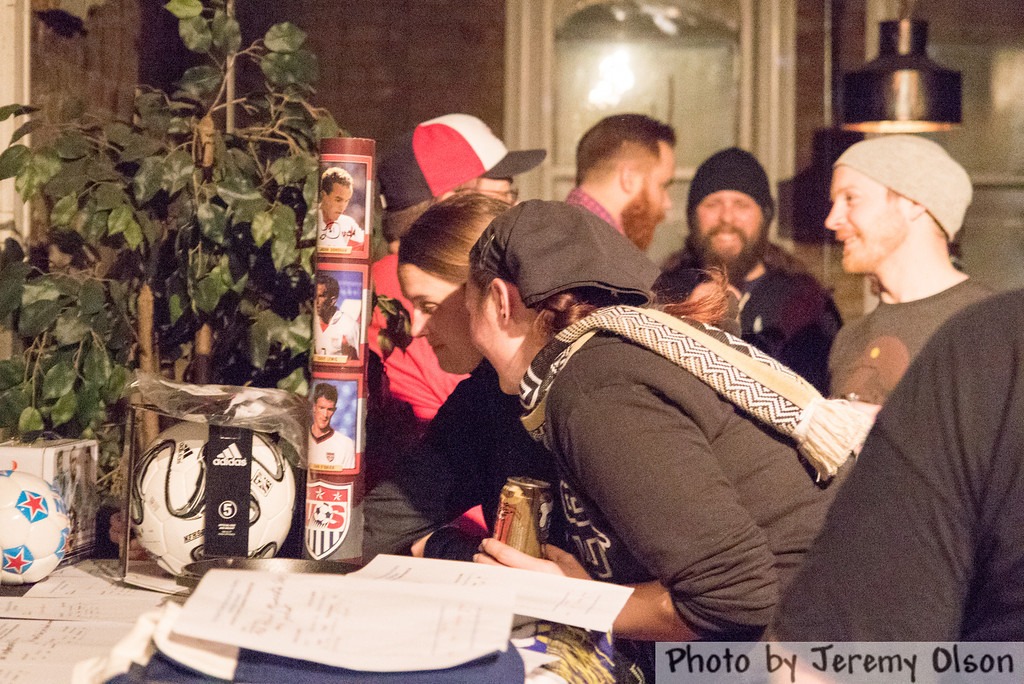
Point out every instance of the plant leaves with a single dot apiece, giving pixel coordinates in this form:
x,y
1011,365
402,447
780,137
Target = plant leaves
x,y
156,122
12,403
262,227
122,220
200,80
30,420
213,219
95,228
259,338
59,380
97,367
243,198
11,252
298,335
285,37
92,298
72,179
12,286
283,252
148,179
70,328
208,291
325,126
40,290
133,234
72,145
13,160
121,133
306,259
184,9
290,68
227,35
295,382
311,193
64,409
175,308
237,188
178,168
109,196
66,284
37,170
284,222
119,377
100,169
12,373
309,226
37,317
238,162
268,328
24,129
7,111
293,168
137,147
64,210
90,407
195,33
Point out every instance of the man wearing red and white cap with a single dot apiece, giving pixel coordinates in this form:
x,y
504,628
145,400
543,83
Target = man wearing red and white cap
x,y
442,156
452,153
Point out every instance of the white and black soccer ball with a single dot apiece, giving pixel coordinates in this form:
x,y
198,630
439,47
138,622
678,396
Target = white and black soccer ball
x,y
34,527
169,491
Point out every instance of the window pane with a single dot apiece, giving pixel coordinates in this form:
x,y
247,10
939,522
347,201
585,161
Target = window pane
x,y
692,86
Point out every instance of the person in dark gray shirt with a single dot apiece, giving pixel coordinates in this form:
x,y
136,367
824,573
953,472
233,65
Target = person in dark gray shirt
x,y
923,542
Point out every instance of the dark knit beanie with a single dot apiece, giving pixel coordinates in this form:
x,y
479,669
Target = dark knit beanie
x,y
731,169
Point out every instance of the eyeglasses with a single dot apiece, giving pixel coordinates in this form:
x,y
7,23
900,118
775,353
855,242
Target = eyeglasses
x,y
510,196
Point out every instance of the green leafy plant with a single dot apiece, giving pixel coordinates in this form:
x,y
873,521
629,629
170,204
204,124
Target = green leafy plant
x,y
185,235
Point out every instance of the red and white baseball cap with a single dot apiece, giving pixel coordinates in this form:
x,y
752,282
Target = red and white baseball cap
x,y
443,153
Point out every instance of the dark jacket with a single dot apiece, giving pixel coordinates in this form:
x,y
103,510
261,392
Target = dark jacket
x,y
663,480
472,446
785,313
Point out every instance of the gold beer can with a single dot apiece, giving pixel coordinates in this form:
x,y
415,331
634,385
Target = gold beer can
x,y
524,515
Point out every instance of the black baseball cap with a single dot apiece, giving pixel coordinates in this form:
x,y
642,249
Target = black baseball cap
x,y
545,248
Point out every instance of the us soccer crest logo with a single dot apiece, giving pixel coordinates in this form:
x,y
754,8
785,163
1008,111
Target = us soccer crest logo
x,y
328,512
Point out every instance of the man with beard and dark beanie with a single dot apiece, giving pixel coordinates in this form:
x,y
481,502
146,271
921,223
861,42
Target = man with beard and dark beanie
x,y
624,167
784,311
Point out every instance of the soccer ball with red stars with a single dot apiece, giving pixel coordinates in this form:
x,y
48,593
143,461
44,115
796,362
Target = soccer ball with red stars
x,y
34,527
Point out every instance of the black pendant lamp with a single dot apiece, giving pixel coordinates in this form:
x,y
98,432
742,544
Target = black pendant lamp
x,y
902,90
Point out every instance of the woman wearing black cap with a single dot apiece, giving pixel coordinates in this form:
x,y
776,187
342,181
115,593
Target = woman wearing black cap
x,y
671,481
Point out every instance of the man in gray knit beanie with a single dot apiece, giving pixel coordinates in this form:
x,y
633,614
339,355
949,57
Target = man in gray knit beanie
x,y
897,203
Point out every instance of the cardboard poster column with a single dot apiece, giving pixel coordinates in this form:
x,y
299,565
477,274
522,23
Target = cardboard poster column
x,y
342,309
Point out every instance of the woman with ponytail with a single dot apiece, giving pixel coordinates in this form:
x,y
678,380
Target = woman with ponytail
x,y
475,442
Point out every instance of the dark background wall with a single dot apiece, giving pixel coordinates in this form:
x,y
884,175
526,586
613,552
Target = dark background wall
x,y
384,65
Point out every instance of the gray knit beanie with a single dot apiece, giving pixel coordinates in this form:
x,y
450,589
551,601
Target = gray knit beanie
x,y
918,169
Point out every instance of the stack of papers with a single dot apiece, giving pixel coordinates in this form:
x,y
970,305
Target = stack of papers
x,y
76,612
396,614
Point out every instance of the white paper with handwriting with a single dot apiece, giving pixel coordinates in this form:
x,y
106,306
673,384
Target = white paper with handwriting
x,y
348,621
582,603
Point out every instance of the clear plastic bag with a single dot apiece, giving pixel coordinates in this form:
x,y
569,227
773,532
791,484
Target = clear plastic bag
x,y
255,408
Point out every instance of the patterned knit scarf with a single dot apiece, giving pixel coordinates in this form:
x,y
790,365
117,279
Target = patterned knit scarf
x,y
826,431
